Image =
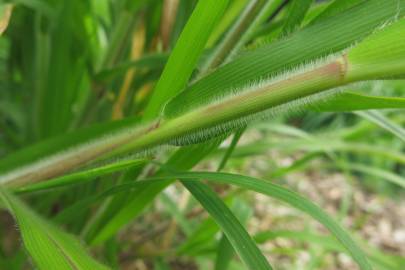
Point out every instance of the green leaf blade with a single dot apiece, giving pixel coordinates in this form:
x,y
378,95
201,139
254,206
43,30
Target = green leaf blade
x,y
81,176
49,247
351,101
186,53
236,234
184,159
296,14
385,123
291,198
333,34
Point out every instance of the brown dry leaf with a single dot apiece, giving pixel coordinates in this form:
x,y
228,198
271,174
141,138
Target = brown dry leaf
x,y
5,17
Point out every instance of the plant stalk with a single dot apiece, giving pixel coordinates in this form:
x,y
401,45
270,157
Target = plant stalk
x,y
162,131
379,56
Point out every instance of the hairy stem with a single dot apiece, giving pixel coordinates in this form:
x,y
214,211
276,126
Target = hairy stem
x,y
161,131
381,55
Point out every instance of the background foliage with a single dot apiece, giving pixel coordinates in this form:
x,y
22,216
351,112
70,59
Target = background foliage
x,y
86,87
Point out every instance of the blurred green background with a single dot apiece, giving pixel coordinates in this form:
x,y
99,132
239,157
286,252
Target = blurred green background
x,y
69,64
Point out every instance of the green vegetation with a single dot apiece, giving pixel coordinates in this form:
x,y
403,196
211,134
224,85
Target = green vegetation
x,y
125,125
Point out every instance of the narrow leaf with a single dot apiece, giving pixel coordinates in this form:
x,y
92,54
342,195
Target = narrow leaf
x,y
81,176
49,247
289,197
223,49
332,35
296,14
378,173
186,53
236,234
225,251
266,188
320,145
335,8
183,159
351,101
384,122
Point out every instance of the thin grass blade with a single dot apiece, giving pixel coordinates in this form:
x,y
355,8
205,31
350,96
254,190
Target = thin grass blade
x,y
236,234
296,14
383,122
184,57
351,101
291,198
82,176
49,247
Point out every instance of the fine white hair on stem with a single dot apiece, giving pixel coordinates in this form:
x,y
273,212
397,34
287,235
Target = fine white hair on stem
x,y
79,155
177,107
75,152
294,107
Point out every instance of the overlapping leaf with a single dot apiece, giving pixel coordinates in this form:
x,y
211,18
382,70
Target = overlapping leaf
x,y
49,247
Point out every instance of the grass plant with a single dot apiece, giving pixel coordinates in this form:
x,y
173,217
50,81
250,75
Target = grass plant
x,y
107,106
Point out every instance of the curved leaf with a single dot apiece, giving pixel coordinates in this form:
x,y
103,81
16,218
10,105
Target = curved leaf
x,y
351,101
185,54
82,176
236,234
260,186
332,35
289,197
384,122
49,247
296,14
